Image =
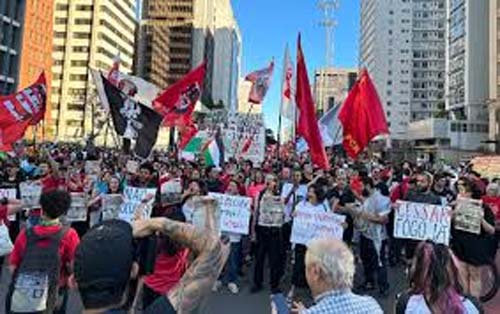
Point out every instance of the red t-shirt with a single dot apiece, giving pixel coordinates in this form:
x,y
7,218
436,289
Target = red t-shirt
x,y
168,271
494,203
3,215
67,248
49,183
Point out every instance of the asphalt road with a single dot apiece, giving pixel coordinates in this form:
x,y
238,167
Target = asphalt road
x,y
223,302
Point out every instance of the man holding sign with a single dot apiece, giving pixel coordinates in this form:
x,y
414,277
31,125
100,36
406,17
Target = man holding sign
x,y
375,214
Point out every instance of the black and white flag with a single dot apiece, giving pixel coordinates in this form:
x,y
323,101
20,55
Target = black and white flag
x,y
133,120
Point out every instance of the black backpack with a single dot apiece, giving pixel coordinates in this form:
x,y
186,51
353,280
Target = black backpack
x,y
34,287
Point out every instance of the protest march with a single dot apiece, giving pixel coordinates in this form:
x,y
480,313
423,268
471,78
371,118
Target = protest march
x,y
317,224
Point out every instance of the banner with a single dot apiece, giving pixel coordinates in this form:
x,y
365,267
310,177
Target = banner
x,y
132,199
111,204
271,212
171,192
30,194
420,221
234,213
244,137
487,166
10,194
308,225
78,208
468,215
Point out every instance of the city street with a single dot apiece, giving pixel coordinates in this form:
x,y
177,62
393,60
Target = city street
x,y
245,303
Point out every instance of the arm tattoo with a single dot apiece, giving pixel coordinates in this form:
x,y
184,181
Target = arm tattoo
x,y
211,255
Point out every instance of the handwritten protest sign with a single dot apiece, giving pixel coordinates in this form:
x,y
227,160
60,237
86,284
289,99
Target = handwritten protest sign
x,y
171,191
78,209
422,222
132,199
272,212
234,212
30,194
10,194
111,204
469,213
245,137
92,169
311,224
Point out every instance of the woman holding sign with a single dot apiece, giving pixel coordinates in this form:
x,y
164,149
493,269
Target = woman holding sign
x,y
473,249
269,218
315,202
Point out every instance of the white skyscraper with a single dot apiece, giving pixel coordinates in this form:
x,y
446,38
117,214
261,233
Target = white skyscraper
x,y
403,48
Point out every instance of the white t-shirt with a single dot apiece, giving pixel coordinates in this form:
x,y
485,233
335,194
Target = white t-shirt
x,y
300,195
417,305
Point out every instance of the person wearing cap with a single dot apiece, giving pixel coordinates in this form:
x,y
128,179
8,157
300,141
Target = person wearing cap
x,y
106,271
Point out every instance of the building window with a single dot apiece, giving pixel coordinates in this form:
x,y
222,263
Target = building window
x,y
83,7
79,63
59,34
81,49
82,21
62,7
78,77
61,21
81,35
76,107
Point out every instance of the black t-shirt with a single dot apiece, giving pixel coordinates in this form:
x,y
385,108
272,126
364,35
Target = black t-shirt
x,y
475,249
345,196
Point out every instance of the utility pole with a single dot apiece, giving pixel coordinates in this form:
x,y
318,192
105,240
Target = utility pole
x,y
329,22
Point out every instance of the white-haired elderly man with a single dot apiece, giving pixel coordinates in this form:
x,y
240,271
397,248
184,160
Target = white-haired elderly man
x,y
330,274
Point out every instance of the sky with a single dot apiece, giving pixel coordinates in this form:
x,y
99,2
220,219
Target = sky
x,y
268,25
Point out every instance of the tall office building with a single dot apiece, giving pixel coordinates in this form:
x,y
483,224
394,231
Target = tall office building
x,y
468,72
87,33
164,41
403,47
331,86
217,39
11,34
494,75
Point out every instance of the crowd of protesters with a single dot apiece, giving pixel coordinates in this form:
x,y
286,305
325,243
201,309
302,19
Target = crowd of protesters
x,y
441,279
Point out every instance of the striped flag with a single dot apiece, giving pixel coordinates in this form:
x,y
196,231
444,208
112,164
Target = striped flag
x,y
208,147
261,80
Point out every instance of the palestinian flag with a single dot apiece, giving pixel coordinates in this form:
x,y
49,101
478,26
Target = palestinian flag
x,y
210,148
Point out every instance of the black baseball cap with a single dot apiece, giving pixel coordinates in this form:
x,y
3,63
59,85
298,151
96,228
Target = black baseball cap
x,y
103,263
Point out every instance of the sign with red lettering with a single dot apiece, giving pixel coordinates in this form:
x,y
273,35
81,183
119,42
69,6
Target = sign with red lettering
x,y
234,213
420,221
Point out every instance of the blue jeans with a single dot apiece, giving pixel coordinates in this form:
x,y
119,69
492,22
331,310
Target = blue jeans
x,y
233,264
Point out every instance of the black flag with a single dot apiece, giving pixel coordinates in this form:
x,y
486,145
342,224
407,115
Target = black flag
x,y
133,120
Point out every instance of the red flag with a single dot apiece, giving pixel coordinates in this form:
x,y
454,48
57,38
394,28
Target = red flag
x,y
177,102
362,116
20,110
308,125
261,80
